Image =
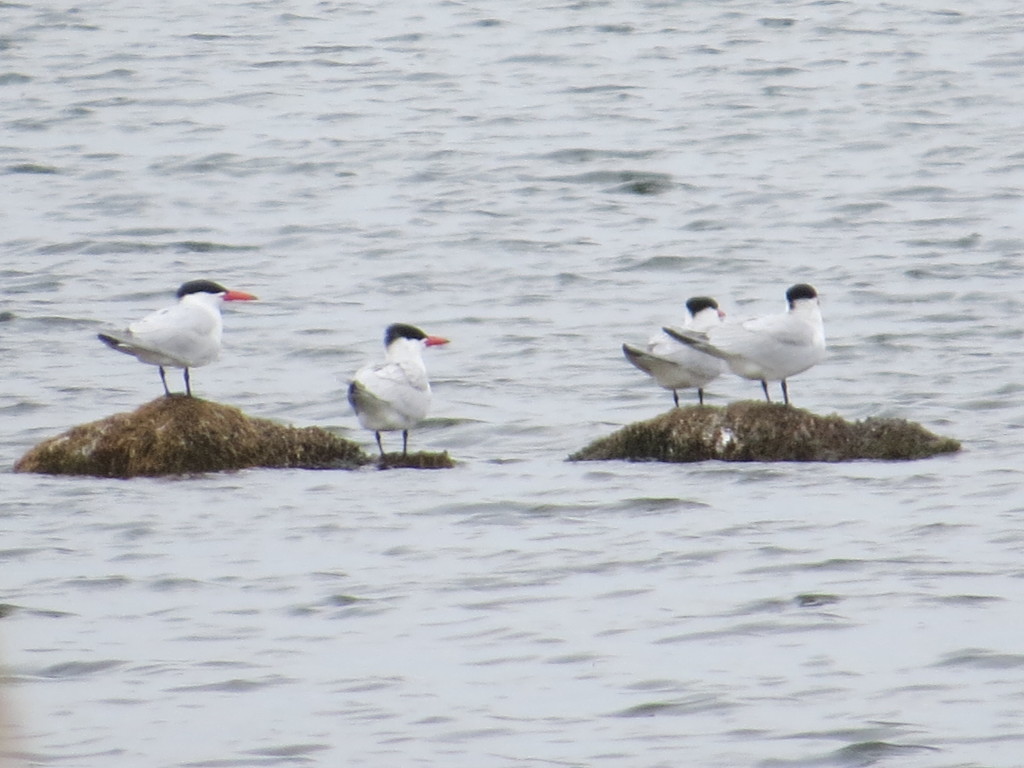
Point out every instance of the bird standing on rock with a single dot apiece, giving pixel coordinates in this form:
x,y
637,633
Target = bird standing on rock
x,y
185,335
677,366
769,348
395,394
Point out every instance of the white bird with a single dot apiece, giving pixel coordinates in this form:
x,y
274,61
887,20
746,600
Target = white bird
x,y
394,394
676,366
185,335
769,348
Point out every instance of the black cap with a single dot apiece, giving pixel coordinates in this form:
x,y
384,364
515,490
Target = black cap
x,y
800,291
402,331
200,286
698,303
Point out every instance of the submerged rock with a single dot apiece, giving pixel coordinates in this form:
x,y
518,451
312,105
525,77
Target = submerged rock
x,y
179,435
753,431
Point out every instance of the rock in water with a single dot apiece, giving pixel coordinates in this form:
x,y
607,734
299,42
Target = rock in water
x,y
753,431
182,435
418,460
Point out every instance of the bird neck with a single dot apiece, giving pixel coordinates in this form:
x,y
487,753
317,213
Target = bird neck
x,y
406,352
208,301
808,307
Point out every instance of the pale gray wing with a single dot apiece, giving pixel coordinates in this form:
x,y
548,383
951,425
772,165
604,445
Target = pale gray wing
x,y
387,393
183,333
118,340
697,340
679,367
784,330
641,359
367,404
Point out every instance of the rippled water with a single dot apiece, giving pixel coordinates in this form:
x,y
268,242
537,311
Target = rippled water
x,y
538,183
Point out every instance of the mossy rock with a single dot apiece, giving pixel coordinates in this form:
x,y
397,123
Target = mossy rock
x,y
752,431
181,435
418,460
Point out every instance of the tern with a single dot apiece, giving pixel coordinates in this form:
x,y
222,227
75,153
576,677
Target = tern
x,y
185,335
769,348
394,395
676,366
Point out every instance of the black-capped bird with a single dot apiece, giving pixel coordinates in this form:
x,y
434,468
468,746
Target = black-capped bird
x,y
185,335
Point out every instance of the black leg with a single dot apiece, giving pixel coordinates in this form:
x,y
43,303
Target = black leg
x,y
188,384
379,444
163,378
405,442
785,392
675,396
700,395
764,386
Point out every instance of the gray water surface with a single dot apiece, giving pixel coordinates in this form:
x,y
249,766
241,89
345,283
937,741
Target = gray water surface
x,y
538,183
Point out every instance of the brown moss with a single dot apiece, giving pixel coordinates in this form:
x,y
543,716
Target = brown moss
x,y
182,435
420,460
753,431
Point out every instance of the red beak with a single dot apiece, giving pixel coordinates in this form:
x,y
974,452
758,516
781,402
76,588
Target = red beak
x,y
721,314
238,296
433,341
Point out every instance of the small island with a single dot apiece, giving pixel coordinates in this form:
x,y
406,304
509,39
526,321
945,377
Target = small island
x,y
756,431
180,435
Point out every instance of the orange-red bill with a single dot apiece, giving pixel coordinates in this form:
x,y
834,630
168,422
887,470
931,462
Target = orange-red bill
x,y
238,296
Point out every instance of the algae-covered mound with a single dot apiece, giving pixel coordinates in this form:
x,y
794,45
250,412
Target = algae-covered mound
x,y
752,431
181,435
418,460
